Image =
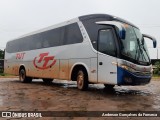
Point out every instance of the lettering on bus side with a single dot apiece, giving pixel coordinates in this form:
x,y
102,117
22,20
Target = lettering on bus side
x,y
44,61
20,55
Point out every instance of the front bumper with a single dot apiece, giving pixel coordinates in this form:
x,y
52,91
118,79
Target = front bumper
x,y
125,77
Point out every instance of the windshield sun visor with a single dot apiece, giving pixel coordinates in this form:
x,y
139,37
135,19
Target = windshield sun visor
x,y
120,26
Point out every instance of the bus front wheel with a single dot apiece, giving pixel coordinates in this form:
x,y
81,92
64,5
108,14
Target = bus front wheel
x,y
23,78
82,79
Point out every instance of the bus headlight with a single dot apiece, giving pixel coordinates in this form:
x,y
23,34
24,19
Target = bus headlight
x,y
124,67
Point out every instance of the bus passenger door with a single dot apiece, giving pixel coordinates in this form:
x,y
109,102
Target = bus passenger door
x,y
107,68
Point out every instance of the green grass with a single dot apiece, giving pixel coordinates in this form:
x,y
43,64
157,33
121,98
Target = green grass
x,y
3,74
156,75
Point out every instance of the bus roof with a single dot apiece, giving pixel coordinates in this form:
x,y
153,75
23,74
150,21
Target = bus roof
x,y
81,18
105,17
50,27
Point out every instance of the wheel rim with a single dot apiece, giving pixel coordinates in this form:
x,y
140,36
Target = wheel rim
x,y
80,79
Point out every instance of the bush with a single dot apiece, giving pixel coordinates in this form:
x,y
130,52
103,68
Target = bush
x,y
2,74
157,69
1,70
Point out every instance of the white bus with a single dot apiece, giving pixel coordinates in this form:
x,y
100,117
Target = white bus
x,y
97,48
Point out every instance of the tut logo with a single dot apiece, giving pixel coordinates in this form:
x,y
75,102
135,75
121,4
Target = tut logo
x,y
44,61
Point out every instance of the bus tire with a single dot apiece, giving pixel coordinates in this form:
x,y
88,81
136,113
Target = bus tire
x,y
82,79
47,80
23,78
109,86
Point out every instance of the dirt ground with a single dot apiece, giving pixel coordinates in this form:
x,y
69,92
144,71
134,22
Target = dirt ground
x,y
64,96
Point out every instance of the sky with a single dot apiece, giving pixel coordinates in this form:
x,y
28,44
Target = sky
x,y
19,17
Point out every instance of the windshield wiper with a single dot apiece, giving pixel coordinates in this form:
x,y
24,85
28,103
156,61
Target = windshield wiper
x,y
146,52
138,49
136,55
142,53
142,45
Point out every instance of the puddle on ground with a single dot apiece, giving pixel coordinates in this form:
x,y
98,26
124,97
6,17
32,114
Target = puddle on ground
x,y
126,91
157,102
62,95
1,101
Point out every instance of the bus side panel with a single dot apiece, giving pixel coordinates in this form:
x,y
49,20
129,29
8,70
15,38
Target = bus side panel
x,y
37,65
52,72
8,68
64,69
10,64
15,69
85,62
93,70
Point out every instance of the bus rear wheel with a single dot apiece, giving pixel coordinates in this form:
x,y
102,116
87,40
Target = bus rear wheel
x,y
82,79
23,78
47,80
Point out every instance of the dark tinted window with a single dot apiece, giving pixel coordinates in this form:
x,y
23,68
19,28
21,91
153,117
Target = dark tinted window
x,y
52,38
69,34
106,42
72,34
93,28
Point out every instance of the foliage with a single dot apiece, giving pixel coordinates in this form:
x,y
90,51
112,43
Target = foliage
x,y
1,54
2,74
157,69
1,61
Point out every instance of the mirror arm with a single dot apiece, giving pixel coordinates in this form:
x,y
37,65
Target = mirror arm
x,y
152,38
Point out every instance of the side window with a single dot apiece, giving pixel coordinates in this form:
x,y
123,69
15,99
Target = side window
x,y
106,42
45,44
33,42
52,37
72,34
69,34
38,45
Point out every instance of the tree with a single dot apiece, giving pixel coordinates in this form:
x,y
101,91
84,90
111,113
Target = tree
x,y
157,69
1,61
1,54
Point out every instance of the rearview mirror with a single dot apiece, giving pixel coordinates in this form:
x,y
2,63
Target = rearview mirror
x,y
152,38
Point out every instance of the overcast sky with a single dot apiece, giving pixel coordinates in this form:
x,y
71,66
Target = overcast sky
x,y
19,17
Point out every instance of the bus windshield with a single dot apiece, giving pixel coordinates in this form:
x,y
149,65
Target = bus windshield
x,y
134,46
